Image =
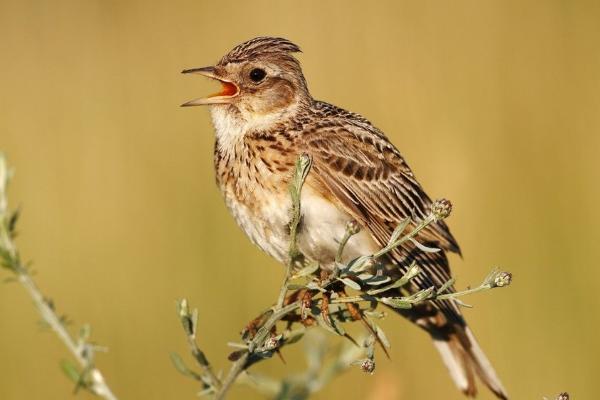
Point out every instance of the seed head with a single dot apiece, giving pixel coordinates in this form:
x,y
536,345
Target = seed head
x,y
271,343
563,396
368,366
502,279
441,209
353,227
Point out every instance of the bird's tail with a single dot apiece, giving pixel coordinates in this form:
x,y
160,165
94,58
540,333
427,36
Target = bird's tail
x,y
464,359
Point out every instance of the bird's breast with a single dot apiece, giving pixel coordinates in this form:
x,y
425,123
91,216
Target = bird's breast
x,y
263,213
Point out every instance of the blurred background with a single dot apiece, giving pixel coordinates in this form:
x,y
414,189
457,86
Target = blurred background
x,y
495,105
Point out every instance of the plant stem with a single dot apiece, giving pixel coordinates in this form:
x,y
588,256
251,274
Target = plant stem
x,y
432,296
98,384
234,372
302,167
348,233
462,292
79,349
240,364
428,220
284,285
206,367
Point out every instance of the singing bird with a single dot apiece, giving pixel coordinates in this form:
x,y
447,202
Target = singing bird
x,y
264,118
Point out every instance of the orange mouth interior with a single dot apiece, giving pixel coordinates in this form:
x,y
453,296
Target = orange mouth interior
x,y
228,89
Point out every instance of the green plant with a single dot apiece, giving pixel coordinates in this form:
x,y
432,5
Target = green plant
x,y
87,376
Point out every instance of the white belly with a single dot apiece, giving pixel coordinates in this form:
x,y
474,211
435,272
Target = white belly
x,y
323,226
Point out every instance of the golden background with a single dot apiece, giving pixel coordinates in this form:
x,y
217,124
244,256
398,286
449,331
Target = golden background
x,y
495,104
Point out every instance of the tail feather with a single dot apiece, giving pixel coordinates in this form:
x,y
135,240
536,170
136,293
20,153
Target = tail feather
x,y
464,358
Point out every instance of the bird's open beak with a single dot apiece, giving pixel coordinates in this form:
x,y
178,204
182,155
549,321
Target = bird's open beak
x,y
228,92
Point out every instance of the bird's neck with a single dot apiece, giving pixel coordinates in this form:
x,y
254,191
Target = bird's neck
x,y
232,125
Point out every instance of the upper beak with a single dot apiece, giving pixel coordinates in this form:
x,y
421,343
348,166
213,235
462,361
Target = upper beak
x,y
230,89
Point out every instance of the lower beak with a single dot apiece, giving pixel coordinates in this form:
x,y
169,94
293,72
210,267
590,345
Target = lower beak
x,y
229,91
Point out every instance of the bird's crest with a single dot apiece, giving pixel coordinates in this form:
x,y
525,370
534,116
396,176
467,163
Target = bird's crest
x,y
260,46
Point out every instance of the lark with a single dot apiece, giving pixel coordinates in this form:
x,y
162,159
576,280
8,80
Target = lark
x,y
264,118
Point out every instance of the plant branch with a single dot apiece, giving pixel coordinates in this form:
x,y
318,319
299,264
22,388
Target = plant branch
x,y
189,321
91,378
300,173
242,363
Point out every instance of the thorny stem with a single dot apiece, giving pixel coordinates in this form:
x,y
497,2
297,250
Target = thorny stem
x,y
79,349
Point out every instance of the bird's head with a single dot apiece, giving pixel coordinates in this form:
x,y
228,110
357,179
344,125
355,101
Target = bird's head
x,y
260,79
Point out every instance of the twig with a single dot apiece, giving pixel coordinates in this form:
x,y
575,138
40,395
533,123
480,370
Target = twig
x,y
495,279
302,168
92,379
189,321
240,364
234,372
352,228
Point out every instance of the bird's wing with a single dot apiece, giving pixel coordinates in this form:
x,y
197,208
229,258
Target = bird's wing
x,y
361,169
356,165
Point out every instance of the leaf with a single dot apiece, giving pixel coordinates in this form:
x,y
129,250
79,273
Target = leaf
x,y
7,259
382,337
399,229
446,286
462,304
179,364
194,319
396,302
331,327
350,283
421,295
84,332
365,276
71,371
413,270
310,269
315,286
375,314
424,248
188,325
360,264
201,358
370,346
378,280
206,392
294,337
188,320
12,223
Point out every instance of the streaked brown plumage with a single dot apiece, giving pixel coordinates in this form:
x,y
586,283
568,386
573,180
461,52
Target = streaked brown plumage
x,y
264,118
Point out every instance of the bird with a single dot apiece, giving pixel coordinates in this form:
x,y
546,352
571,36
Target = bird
x,y
264,118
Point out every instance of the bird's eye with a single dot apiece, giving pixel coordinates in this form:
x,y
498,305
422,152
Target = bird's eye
x,y
257,74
